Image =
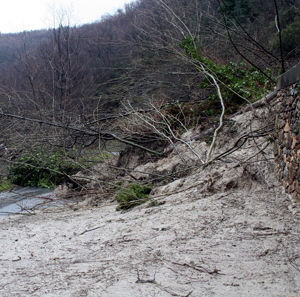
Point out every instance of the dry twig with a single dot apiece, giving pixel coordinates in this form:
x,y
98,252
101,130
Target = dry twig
x,y
153,281
198,268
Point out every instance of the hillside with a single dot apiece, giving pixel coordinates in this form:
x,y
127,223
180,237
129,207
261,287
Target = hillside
x,y
71,88
224,230
122,117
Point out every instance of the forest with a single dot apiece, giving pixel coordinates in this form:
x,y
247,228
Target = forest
x,y
135,80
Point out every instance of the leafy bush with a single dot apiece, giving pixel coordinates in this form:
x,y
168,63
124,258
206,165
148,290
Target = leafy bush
x,y
41,169
237,81
135,195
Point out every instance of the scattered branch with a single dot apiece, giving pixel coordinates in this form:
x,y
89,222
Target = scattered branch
x,y
97,134
153,281
92,229
163,128
199,268
263,132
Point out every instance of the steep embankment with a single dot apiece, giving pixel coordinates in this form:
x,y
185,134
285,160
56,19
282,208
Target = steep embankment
x,y
224,230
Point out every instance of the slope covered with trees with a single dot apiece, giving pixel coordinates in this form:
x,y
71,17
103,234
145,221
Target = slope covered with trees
x,y
140,76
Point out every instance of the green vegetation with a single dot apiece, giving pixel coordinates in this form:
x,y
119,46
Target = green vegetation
x,y
130,84
290,34
133,196
5,185
241,11
238,82
41,169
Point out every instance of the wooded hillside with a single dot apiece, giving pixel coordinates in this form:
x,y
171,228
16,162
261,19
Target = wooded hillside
x,y
136,76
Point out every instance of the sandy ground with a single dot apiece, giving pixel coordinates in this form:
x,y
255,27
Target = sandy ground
x,y
235,243
228,230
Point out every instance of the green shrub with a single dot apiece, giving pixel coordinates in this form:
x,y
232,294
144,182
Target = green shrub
x,y
237,81
134,195
41,169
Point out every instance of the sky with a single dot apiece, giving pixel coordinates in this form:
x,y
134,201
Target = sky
x,y
26,15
